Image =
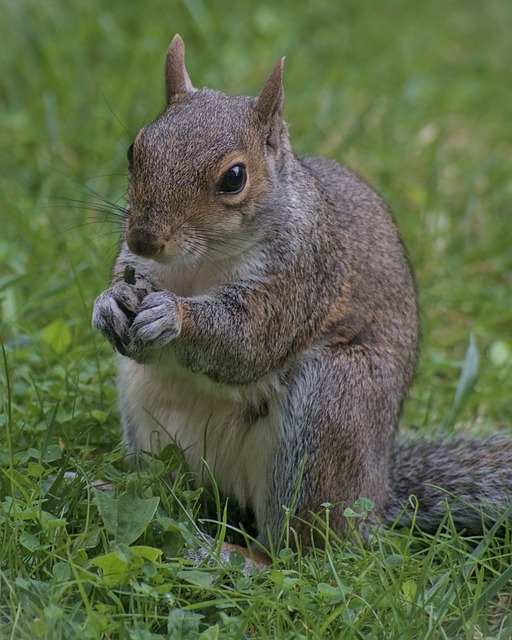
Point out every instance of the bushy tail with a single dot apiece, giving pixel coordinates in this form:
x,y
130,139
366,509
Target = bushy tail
x,y
474,477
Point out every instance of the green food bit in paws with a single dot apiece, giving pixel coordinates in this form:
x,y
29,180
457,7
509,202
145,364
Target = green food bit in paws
x,y
129,274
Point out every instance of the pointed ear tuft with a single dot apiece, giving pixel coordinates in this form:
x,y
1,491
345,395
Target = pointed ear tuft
x,y
271,99
176,76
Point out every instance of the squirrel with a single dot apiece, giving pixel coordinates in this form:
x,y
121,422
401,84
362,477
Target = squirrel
x,y
265,314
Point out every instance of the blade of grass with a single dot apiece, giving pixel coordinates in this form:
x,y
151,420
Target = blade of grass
x,y
465,385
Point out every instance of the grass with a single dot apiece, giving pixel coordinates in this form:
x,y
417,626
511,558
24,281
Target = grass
x,y
415,98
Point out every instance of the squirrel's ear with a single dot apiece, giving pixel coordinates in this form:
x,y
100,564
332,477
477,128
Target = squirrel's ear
x,y
176,76
269,105
271,99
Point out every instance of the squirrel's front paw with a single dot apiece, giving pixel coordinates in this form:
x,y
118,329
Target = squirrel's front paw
x,y
158,321
114,311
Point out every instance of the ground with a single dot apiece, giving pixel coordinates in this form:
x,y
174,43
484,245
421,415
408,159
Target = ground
x,y
415,97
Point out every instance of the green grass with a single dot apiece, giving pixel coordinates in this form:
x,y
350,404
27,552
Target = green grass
x,y
415,97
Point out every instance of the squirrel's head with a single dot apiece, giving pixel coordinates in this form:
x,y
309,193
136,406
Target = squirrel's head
x,y
205,172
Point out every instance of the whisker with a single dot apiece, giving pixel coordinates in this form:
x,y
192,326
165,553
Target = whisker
x,y
116,116
222,246
205,255
112,211
98,201
80,225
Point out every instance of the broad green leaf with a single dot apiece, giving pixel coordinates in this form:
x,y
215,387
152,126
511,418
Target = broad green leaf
x,y
29,541
197,578
212,633
127,516
409,589
36,470
116,568
500,353
61,571
148,553
286,553
51,453
326,590
123,552
183,625
57,336
363,504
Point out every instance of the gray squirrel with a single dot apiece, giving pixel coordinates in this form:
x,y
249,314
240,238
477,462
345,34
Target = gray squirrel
x,y
268,324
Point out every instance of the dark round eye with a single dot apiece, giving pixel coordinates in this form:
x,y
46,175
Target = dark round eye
x,y
233,181
129,155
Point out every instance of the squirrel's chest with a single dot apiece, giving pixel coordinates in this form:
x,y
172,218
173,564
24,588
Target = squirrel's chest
x,y
233,429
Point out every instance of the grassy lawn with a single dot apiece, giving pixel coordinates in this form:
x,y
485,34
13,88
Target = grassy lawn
x,y
415,97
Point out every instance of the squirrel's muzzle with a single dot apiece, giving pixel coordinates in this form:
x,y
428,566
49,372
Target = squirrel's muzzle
x,y
142,242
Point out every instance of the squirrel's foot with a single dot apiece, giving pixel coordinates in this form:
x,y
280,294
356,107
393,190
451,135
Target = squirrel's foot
x,y
255,560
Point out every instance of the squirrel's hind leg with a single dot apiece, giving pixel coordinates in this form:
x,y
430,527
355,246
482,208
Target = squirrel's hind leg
x,y
338,424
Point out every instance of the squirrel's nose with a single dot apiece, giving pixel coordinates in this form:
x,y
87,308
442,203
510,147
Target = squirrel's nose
x,y
143,243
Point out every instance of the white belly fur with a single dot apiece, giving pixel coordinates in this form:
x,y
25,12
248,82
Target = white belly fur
x,y
207,420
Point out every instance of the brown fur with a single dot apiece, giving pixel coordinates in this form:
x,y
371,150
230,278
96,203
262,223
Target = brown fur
x,y
268,327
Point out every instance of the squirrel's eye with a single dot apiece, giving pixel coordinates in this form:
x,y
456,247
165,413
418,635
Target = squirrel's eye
x,y
129,155
233,181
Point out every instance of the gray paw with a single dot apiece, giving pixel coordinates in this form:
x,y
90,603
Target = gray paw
x,y
157,322
114,311
208,553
